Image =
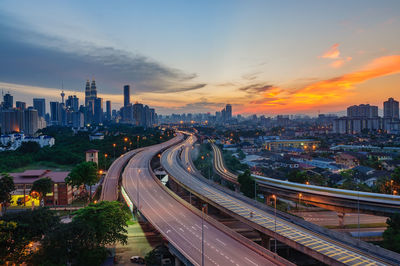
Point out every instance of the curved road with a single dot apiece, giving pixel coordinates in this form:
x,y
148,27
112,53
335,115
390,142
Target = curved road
x,y
335,251
179,225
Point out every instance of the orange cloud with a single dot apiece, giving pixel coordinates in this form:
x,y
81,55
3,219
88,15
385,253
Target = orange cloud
x,y
332,53
328,92
340,62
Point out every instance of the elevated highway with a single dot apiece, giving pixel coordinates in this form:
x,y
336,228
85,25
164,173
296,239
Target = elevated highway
x,y
188,230
339,200
314,243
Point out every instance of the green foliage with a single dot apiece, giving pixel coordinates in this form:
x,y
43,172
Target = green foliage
x,y
42,186
84,173
83,241
29,147
6,187
241,154
391,236
247,184
232,163
203,163
297,176
18,229
108,220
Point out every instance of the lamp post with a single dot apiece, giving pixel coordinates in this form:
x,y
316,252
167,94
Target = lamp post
x,y
274,197
300,195
358,211
114,145
105,160
137,189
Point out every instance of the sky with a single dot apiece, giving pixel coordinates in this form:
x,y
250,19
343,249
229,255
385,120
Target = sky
x,y
263,57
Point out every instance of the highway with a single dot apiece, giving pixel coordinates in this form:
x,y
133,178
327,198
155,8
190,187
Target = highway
x,y
109,190
330,198
181,226
302,238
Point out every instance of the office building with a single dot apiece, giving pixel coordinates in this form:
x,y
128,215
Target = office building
x,y
31,121
362,111
20,105
127,95
228,112
8,101
98,110
72,103
40,105
55,113
108,110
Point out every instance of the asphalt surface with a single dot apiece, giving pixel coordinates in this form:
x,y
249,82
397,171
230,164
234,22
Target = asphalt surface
x,y
321,244
180,226
109,191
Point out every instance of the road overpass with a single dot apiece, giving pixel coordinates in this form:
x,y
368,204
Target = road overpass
x,y
339,200
321,246
109,190
182,224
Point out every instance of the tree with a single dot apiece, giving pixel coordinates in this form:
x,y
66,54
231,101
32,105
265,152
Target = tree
x,y
18,229
6,187
84,173
42,186
29,147
297,176
391,236
247,184
83,241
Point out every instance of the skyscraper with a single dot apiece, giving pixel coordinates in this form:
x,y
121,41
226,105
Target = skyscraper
x,y
391,109
55,113
127,95
87,93
98,110
20,105
8,101
31,120
362,111
228,112
40,105
72,103
108,110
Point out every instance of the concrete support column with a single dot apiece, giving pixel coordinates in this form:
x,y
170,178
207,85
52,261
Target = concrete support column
x,y
341,219
177,261
265,241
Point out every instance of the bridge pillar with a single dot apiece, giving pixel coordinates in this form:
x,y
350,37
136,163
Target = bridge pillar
x,y
341,219
265,241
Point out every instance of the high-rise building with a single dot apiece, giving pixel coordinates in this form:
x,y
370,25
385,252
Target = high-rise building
x,y
228,112
391,109
108,110
362,111
72,103
55,113
20,105
87,93
31,121
40,105
8,101
138,114
98,110
62,97
127,95
9,121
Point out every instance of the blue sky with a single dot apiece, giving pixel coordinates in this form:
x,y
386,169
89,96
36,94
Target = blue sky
x,y
187,56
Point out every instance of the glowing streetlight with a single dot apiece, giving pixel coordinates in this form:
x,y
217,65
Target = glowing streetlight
x,y
274,197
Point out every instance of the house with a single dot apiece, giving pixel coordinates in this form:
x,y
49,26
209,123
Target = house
x,y
62,194
365,170
391,165
348,160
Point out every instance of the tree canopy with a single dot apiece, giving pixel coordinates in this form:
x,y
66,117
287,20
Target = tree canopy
x,y
6,187
42,186
84,173
391,236
247,184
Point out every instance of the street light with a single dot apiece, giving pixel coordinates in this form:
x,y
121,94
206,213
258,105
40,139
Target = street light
x,y
114,145
105,161
300,195
274,197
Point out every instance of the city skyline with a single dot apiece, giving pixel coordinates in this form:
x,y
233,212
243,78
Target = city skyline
x,y
260,58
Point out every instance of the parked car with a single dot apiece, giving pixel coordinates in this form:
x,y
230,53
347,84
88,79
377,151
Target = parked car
x,y
137,259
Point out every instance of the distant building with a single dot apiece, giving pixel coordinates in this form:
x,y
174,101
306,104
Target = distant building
x,y
72,103
108,110
98,110
14,141
8,101
55,113
20,105
127,96
92,156
303,144
31,121
391,109
40,105
362,111
228,112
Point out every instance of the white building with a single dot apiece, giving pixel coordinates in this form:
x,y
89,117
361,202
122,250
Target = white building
x,y
14,141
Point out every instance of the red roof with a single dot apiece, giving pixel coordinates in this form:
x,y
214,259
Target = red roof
x,y
22,178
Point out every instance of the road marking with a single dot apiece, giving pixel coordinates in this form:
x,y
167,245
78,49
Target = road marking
x,y
220,242
246,258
